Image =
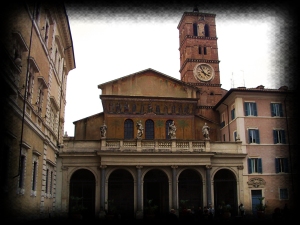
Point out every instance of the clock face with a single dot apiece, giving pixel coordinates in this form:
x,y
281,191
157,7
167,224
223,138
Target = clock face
x,y
203,72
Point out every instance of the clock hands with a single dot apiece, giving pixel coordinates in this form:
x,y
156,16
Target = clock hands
x,y
203,71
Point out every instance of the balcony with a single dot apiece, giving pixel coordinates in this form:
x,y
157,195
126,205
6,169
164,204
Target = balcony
x,y
149,146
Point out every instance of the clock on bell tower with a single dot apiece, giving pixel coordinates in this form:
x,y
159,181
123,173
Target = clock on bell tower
x,y
199,63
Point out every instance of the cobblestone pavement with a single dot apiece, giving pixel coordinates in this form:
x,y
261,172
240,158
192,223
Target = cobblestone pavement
x,y
233,220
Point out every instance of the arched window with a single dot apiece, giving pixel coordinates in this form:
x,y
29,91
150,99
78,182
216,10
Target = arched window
x,y
167,128
195,29
149,130
128,129
206,30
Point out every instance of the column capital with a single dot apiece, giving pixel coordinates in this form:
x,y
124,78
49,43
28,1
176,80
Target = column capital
x,y
64,168
103,166
208,167
139,167
240,167
174,167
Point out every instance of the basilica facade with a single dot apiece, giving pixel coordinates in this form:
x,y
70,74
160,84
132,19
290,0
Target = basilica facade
x,y
184,143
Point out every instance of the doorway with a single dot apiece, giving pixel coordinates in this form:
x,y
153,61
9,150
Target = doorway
x,y
120,190
255,195
82,185
156,189
225,190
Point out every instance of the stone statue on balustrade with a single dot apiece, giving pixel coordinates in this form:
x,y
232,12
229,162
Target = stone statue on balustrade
x,y
103,130
205,131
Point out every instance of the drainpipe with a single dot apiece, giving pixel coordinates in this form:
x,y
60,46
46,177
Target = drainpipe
x,y
25,95
289,145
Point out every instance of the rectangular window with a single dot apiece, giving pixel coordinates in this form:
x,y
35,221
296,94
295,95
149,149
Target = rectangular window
x,y
195,29
200,50
34,172
39,101
224,137
284,195
205,50
47,31
47,180
254,165
22,172
232,112
279,136
51,182
29,86
276,109
281,165
222,120
253,136
250,109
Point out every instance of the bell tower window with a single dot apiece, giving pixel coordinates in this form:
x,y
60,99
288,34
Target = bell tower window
x,y
206,30
195,29
200,50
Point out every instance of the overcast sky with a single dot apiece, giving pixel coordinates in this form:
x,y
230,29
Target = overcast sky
x,y
112,42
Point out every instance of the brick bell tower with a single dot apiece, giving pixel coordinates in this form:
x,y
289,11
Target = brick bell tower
x,y
199,63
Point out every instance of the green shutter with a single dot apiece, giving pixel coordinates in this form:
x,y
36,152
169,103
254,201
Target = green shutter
x,y
249,166
255,109
257,136
276,165
272,110
280,110
246,106
259,162
275,136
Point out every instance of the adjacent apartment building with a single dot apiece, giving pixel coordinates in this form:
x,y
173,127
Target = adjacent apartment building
x,y
36,57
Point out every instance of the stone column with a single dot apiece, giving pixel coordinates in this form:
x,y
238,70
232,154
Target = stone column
x,y
65,190
139,211
102,188
240,184
208,183
174,187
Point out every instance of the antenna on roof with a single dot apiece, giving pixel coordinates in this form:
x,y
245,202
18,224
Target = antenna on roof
x,y
243,78
232,80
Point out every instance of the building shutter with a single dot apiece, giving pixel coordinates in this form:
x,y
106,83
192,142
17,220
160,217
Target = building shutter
x,y
259,162
280,110
275,137
254,109
257,136
272,109
249,166
246,105
276,165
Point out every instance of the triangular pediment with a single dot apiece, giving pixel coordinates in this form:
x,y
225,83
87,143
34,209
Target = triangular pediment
x,y
148,82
